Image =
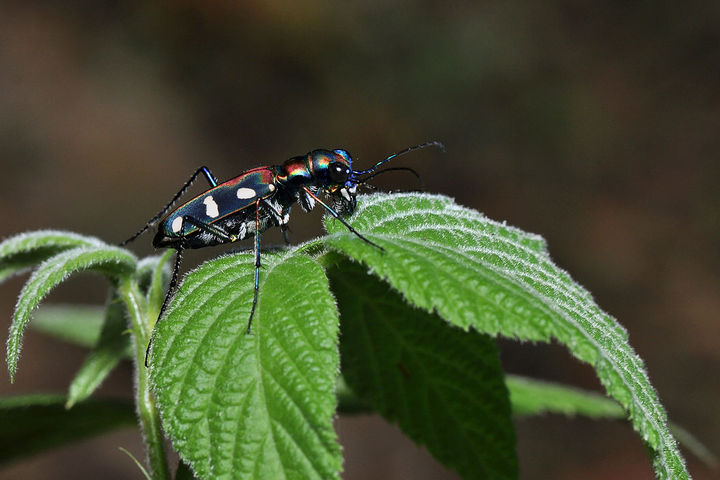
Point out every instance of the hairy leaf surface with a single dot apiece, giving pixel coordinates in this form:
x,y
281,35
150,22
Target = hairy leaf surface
x,y
478,273
110,261
258,405
28,249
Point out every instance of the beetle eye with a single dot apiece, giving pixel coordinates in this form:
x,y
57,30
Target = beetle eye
x,y
338,172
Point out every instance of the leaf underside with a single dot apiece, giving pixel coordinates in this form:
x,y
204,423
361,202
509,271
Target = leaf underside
x,y
258,405
499,280
443,386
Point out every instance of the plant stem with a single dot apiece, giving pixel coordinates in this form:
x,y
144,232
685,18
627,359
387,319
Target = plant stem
x,y
145,402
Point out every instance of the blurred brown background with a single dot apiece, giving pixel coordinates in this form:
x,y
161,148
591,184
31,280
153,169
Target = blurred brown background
x,y
593,123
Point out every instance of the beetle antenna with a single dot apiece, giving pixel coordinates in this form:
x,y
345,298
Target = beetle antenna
x,y
401,152
389,169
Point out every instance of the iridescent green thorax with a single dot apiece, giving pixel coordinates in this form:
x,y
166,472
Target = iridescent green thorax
x,y
311,169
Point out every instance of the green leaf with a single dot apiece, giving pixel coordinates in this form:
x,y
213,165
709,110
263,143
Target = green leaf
x,y
153,276
251,406
443,386
478,273
112,346
77,324
110,261
533,397
28,249
33,423
158,284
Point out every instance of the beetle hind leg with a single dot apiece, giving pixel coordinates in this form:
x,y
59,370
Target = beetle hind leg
x,y
202,170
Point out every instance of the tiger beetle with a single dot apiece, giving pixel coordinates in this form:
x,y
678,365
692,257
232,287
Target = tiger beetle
x,y
258,199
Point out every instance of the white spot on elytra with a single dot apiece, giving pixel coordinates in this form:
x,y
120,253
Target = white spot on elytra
x,y
271,187
211,207
177,224
245,193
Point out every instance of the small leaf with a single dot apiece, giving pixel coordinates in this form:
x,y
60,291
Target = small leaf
x,y
110,261
443,386
478,273
251,406
158,284
533,397
153,275
76,324
28,249
112,346
33,423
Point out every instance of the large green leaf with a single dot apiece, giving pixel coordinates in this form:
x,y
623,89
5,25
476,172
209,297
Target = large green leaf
x,y
28,249
442,385
32,423
251,406
110,261
478,273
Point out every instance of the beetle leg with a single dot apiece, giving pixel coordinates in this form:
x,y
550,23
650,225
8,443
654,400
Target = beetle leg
x,y
336,215
257,264
282,217
202,170
284,229
219,233
171,290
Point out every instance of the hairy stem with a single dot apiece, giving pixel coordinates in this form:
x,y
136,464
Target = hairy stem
x,y
147,410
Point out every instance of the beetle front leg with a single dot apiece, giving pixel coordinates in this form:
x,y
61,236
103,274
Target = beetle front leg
x,y
347,225
284,228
